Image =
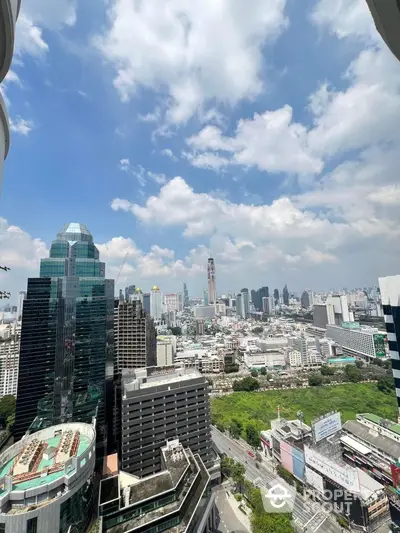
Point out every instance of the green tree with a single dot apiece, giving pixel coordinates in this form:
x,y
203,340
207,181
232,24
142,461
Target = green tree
x,y
387,364
7,408
263,371
236,428
237,474
327,370
246,384
254,373
226,466
271,523
231,368
386,384
377,362
359,363
252,436
257,330
315,380
220,426
352,373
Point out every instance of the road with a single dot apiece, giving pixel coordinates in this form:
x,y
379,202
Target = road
x,y
310,517
227,521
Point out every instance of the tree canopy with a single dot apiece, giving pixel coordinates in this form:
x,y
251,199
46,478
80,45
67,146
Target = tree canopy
x,y
246,384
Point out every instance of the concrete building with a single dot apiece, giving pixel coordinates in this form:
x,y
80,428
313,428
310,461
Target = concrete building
x,y
160,404
204,311
156,303
174,499
364,342
372,443
212,283
9,364
334,311
304,345
46,481
386,15
9,10
390,295
171,302
166,350
268,305
134,337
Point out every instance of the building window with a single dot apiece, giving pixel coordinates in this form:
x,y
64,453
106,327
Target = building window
x,y
2,528
31,526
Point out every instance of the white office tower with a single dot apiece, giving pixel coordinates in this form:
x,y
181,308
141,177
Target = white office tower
x,y
171,302
9,363
9,10
156,303
390,294
212,286
166,350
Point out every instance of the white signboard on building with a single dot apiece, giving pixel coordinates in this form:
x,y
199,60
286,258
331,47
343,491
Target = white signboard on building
x,y
345,476
327,426
314,479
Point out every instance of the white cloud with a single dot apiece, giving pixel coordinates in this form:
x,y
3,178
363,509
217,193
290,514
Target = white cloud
x,y
125,259
22,254
21,126
271,142
197,51
141,174
286,235
345,18
37,15
169,153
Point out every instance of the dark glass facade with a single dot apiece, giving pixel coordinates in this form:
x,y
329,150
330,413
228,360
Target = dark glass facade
x,y
67,339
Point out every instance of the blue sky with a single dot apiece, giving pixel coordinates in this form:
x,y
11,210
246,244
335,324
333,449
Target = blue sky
x,y
265,137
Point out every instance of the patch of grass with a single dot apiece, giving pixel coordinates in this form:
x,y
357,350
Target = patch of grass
x,y
260,408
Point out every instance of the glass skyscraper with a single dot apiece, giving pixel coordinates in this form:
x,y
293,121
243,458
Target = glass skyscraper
x,y
67,339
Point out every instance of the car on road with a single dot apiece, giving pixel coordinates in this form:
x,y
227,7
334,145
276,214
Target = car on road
x,y
251,453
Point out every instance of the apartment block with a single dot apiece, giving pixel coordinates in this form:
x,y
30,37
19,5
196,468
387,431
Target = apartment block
x,y
134,337
159,404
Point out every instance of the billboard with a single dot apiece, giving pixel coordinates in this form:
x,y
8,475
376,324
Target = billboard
x,y
380,344
326,426
314,479
395,475
286,456
344,476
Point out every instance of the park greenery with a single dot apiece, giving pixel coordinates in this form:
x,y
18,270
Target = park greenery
x,y
258,408
247,384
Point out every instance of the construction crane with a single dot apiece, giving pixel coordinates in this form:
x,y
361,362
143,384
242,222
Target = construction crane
x,y
121,267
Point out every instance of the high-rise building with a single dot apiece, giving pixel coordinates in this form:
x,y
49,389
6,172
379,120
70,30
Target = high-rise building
x,y
156,303
134,337
129,291
171,302
205,297
305,300
285,295
186,301
212,285
67,339
47,481
386,15
239,305
160,404
175,499
180,302
146,302
9,363
245,302
276,296
9,10
390,295
166,350
255,299
268,305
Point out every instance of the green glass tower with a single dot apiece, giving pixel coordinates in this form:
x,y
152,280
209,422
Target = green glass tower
x,y
67,339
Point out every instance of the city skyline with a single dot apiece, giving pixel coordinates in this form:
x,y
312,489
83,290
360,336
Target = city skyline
x,y
249,170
